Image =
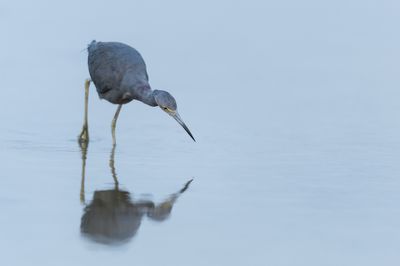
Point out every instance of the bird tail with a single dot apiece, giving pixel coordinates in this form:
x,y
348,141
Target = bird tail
x,y
92,46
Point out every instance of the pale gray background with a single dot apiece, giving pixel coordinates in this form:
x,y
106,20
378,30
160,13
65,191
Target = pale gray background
x,y
295,106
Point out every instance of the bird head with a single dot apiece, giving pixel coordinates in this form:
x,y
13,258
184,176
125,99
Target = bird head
x,y
167,103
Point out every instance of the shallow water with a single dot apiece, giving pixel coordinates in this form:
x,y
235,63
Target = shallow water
x,y
294,108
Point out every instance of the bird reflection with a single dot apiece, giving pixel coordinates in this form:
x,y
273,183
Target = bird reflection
x,y
113,216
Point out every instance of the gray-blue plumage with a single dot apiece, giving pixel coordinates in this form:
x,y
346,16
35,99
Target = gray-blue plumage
x,y
119,73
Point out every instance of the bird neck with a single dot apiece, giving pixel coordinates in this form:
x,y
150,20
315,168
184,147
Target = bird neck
x,y
146,95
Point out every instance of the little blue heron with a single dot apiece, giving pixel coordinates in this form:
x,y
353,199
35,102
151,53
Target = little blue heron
x,y
119,73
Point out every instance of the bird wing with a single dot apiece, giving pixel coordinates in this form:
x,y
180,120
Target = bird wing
x,y
109,62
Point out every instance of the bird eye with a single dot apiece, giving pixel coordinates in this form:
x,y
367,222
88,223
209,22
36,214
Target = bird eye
x,y
165,108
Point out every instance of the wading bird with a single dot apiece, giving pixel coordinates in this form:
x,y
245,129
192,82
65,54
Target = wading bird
x,y
119,73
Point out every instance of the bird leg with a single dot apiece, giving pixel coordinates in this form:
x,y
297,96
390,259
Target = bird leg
x,y
114,123
84,136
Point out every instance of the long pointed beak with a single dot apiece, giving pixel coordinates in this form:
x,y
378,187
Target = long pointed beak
x,y
180,121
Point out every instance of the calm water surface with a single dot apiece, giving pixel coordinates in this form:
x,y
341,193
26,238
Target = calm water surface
x,y
295,109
